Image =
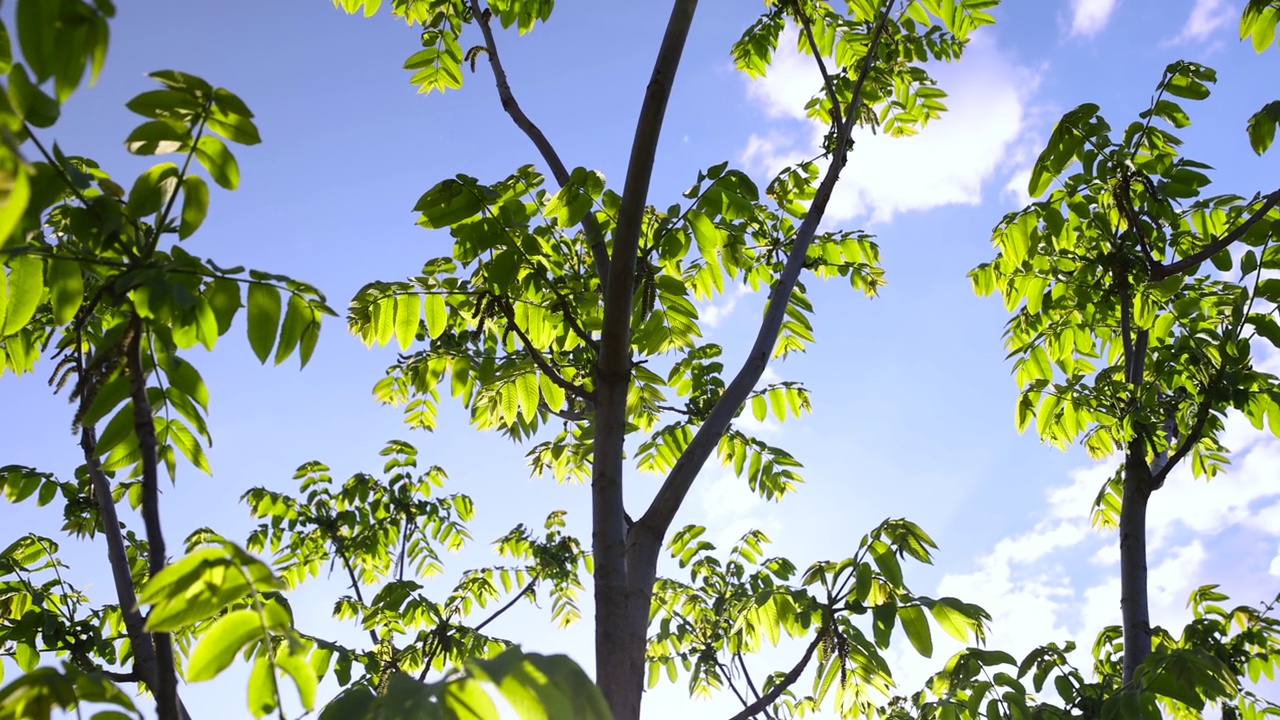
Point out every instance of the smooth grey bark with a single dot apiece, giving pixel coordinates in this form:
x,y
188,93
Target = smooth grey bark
x,y
617,644
644,540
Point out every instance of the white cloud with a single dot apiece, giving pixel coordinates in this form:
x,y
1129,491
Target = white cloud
x,y
1058,580
1090,17
730,508
946,164
713,314
1206,17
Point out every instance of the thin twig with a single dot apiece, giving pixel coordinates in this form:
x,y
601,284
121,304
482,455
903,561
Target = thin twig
x,y
528,588
787,681
822,68
534,354
595,235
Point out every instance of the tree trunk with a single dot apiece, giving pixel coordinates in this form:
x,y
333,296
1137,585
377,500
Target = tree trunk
x,y
1135,614
614,664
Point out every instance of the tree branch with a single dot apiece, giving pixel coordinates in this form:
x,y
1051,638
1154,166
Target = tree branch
x,y
552,374
1163,271
528,588
1188,442
595,235
351,573
830,86
166,690
787,681
657,519
620,617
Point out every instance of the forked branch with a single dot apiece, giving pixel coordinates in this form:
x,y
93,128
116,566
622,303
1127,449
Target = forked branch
x,y
775,692
657,519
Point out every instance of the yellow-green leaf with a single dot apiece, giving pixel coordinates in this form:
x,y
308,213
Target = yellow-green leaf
x,y
26,285
220,644
66,289
436,315
408,309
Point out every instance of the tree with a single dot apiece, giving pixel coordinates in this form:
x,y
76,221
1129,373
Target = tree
x,y
557,322
77,236
563,318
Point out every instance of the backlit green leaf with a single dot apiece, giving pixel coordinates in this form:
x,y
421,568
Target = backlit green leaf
x,y
218,160
407,314
219,645
25,286
263,318
66,289
195,205
916,626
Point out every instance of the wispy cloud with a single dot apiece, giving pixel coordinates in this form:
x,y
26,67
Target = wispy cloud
x,y
1206,17
1090,17
730,508
946,164
1058,580
715,312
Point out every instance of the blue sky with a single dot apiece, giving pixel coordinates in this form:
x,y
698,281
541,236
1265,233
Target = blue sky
x,y
913,401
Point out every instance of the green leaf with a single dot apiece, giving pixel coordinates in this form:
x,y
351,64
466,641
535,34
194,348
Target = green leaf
x,y
202,584
195,205
158,137
303,676
223,296
218,160
447,204
262,687
883,618
354,702
465,699
408,309
527,395
188,446
26,285
951,620
219,645
887,562
38,21
66,289
153,189
31,103
6,64
263,318
234,126
310,336
189,84
436,315
916,625
1184,86
1262,125
709,237
166,104
15,194
296,319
